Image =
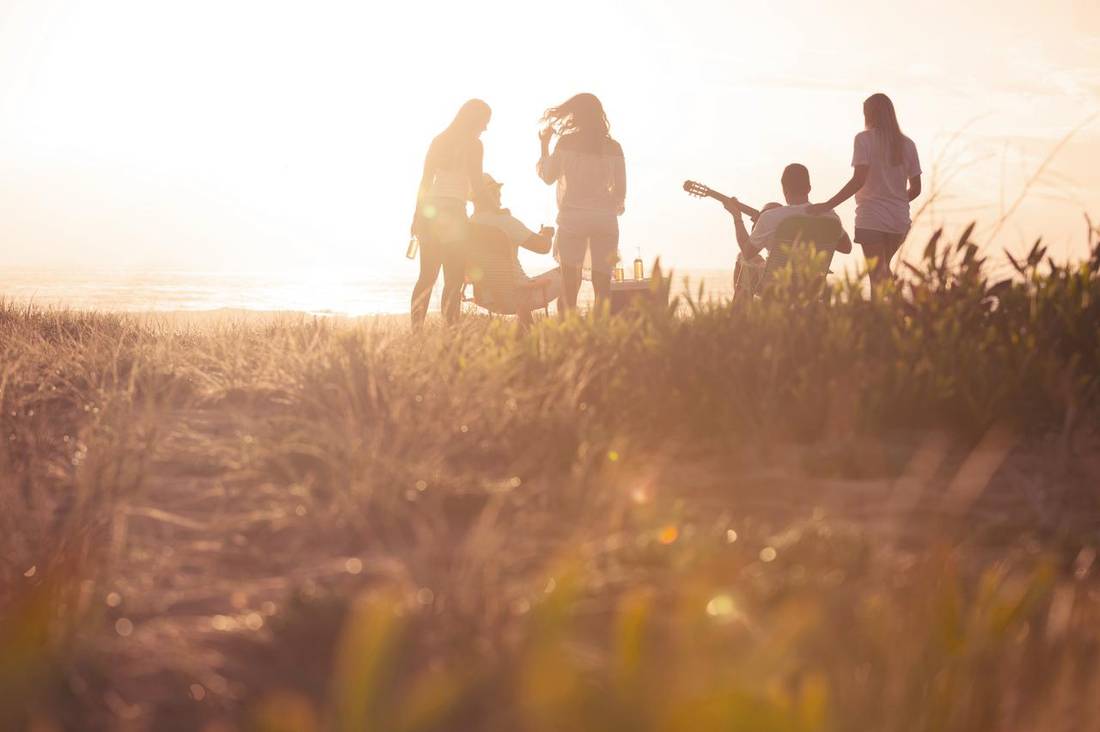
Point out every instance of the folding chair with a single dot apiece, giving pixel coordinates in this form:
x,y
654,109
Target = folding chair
x,y
491,270
801,235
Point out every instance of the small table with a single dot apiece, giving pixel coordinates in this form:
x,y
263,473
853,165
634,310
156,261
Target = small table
x,y
626,292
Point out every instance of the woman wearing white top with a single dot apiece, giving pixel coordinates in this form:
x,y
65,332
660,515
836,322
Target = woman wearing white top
x,y
885,179
452,172
588,167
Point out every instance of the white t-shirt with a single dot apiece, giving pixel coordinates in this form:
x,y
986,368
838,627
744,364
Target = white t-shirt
x,y
883,202
512,227
763,234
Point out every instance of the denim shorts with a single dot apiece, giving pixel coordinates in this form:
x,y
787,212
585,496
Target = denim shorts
x,y
581,231
874,237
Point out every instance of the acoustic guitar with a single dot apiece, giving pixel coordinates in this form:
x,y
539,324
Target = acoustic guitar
x,y
698,190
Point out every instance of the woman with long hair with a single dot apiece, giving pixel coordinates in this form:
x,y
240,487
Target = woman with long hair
x,y
886,177
452,172
588,167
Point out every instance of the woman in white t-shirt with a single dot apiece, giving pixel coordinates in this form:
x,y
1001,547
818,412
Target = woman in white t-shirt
x,y
886,178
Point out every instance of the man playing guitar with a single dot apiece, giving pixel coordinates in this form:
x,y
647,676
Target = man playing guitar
x,y
749,269
796,191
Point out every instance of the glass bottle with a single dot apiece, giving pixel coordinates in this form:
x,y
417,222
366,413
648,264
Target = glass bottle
x,y
619,274
639,267
414,247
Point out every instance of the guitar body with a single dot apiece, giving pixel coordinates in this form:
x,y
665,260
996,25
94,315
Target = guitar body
x,y
747,276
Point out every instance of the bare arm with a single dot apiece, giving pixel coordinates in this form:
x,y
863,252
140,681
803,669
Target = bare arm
x,y
844,245
541,242
914,187
618,186
744,240
549,165
859,177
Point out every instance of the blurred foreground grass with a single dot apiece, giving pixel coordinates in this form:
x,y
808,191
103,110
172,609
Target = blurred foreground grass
x,y
806,515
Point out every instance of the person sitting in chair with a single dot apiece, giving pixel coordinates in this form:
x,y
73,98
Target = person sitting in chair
x,y
776,221
507,288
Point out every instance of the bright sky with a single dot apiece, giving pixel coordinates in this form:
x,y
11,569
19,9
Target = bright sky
x,y
248,135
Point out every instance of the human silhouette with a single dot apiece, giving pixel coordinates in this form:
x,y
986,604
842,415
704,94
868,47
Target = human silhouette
x,y
775,220
886,177
588,167
452,173
494,261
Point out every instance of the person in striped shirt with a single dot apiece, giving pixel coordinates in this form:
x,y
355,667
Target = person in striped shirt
x,y
510,284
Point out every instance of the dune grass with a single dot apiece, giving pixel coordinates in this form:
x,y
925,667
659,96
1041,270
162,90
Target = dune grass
x,y
811,514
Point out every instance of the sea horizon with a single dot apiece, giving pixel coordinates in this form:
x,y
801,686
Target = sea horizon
x,y
326,292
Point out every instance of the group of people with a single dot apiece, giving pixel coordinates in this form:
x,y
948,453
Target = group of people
x,y
588,168
589,171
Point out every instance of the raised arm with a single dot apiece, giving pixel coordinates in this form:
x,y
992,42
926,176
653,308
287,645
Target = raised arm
x,y
744,239
549,165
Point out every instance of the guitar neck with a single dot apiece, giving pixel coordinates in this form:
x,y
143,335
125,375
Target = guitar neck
x,y
749,211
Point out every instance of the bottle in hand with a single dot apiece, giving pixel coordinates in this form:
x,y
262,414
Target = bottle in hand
x,y
414,247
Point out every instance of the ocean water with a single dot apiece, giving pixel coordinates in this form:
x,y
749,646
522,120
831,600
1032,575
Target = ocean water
x,y
331,292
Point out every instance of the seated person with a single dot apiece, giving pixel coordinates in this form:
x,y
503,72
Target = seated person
x,y
530,293
748,272
796,190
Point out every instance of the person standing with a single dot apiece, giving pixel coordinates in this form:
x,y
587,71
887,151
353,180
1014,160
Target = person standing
x,y
886,177
452,173
588,167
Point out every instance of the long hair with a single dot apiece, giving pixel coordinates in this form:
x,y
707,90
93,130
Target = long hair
x,y
878,111
582,114
472,117
452,146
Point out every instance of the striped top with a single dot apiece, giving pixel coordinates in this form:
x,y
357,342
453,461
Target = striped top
x,y
516,234
492,257
452,168
491,264
590,174
449,184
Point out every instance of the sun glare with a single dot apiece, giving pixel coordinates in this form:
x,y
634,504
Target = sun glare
x,y
251,136
340,388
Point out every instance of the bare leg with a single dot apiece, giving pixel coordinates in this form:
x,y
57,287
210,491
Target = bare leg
x,y
571,285
880,272
537,294
873,254
429,273
891,249
523,309
601,283
454,278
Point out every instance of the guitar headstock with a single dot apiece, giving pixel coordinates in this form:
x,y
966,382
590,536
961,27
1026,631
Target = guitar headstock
x,y
697,189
